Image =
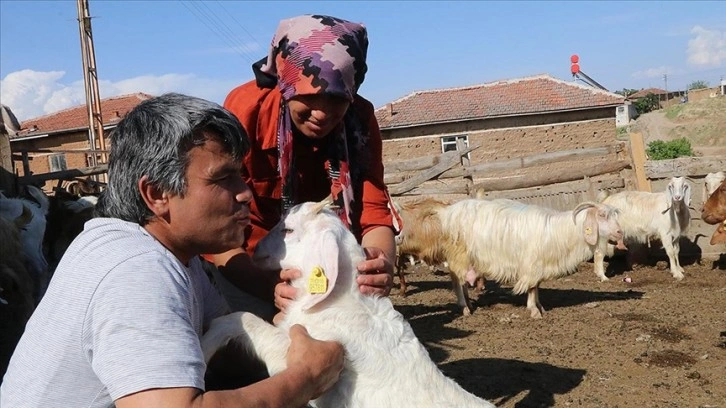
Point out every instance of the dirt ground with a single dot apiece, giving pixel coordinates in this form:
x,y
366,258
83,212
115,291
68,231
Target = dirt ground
x,y
702,122
653,342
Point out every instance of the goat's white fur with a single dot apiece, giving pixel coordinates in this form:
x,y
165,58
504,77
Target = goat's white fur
x,y
524,245
386,365
643,215
711,183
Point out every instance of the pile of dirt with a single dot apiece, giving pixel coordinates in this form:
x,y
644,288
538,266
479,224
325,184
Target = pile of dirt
x,y
702,122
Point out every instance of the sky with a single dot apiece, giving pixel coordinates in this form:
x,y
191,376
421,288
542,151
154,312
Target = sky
x,y
205,48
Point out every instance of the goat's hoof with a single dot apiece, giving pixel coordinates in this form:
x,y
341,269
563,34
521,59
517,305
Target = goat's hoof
x,y
535,314
467,311
678,277
604,278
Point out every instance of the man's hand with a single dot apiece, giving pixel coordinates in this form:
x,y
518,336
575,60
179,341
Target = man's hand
x,y
376,273
321,361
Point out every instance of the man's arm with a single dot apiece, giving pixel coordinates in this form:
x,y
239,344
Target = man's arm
x,y
313,367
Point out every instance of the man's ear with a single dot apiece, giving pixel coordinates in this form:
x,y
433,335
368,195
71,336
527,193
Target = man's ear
x,y
155,199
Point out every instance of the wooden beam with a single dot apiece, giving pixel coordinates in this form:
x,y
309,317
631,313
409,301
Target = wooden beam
x,y
421,163
637,148
684,166
447,161
393,175
64,174
545,178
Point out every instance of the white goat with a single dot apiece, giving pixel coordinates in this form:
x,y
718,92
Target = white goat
x,y
711,183
32,234
511,242
643,215
386,365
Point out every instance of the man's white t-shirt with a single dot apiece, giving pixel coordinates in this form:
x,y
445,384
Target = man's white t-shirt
x,y
122,314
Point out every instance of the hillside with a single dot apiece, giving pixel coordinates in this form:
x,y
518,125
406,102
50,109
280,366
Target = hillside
x,y
702,122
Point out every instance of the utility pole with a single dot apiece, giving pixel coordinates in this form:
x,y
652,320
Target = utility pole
x,y
665,78
90,80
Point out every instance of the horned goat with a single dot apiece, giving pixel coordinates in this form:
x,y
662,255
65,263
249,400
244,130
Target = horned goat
x,y
386,365
511,242
32,235
714,209
711,183
643,215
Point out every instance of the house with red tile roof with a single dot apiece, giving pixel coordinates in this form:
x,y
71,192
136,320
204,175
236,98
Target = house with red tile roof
x,y
67,131
507,119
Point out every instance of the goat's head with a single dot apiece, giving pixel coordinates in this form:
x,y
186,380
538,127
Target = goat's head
x,y
600,221
679,190
714,209
313,239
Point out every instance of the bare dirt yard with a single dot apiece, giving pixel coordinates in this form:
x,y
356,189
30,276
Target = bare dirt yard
x,y
653,342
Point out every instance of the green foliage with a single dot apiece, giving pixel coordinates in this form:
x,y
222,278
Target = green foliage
x,y
647,104
661,150
626,91
698,85
621,131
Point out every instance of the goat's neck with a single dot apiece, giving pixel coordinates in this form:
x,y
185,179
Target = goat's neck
x,y
679,213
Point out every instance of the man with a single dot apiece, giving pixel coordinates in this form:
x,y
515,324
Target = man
x,y
122,319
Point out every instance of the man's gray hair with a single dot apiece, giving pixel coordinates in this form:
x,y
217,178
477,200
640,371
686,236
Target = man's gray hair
x,y
154,140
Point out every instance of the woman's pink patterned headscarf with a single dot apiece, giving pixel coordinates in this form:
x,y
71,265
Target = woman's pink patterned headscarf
x,y
316,54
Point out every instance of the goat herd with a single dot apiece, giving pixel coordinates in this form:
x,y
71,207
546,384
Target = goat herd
x,y
523,245
500,240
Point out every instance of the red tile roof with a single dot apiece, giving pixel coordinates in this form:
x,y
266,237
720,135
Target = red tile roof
x,y
112,110
520,96
644,92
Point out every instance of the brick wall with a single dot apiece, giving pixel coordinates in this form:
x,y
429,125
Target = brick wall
x,y
40,162
502,144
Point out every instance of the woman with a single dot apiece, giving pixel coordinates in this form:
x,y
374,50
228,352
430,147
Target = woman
x,y
312,135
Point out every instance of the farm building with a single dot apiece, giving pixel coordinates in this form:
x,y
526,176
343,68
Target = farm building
x,y
66,131
506,121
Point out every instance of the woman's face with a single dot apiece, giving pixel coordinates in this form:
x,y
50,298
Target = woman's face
x,y
317,115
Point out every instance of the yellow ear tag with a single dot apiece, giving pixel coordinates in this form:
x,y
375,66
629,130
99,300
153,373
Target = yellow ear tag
x,y
317,282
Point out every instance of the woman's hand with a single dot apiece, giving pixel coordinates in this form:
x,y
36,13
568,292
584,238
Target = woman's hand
x,y
376,273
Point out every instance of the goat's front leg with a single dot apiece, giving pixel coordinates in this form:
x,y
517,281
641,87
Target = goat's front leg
x,y
598,260
535,308
462,297
673,248
256,336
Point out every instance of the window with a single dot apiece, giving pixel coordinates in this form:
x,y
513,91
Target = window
x,y
448,143
57,162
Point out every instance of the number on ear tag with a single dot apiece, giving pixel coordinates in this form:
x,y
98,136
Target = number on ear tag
x,y
317,282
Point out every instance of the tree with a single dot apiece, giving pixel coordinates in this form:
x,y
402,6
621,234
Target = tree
x,y
626,92
700,84
646,104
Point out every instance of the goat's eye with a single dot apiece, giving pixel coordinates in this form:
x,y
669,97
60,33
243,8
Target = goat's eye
x,y
287,231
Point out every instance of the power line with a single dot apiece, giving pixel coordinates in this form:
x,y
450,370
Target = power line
x,y
205,19
221,5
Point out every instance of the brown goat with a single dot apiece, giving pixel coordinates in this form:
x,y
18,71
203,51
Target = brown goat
x,y
714,209
421,236
719,236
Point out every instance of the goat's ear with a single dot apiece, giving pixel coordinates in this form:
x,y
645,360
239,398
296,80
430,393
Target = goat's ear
x,y
590,227
687,194
327,249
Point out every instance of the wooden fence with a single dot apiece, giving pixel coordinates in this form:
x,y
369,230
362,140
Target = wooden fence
x,y
581,174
